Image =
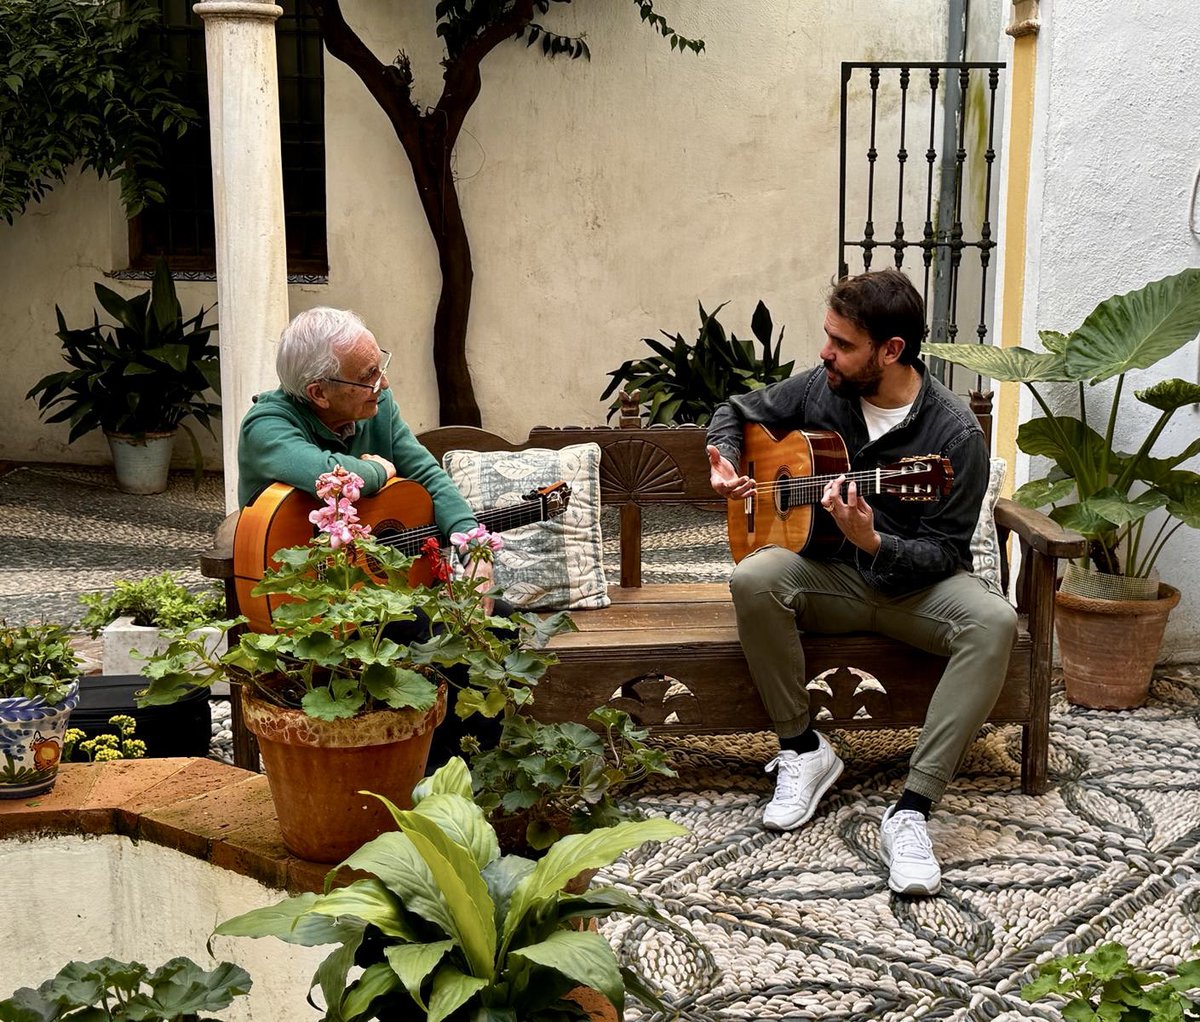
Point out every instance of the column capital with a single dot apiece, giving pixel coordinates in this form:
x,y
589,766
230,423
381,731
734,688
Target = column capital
x,y
1026,19
238,9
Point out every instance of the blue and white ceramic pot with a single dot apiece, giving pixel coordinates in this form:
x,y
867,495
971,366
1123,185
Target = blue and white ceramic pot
x,y
31,742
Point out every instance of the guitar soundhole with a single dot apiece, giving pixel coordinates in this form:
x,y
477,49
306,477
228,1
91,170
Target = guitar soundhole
x,y
785,497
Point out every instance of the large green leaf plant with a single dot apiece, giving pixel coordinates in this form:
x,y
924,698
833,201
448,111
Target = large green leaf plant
x,y
146,374
683,382
444,926
1107,495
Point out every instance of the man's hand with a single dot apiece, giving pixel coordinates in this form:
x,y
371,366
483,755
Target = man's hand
x,y
724,477
852,515
388,467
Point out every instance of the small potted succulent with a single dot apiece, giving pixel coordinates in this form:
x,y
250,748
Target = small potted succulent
x,y
107,990
338,703
39,686
446,927
137,616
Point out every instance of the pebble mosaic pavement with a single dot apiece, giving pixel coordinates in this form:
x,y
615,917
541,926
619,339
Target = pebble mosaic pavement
x,y
801,925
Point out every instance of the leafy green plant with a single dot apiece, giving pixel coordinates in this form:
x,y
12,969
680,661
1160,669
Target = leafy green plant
x,y
548,778
684,382
1102,986
145,375
120,743
37,659
78,88
1104,494
447,926
332,655
160,601
110,991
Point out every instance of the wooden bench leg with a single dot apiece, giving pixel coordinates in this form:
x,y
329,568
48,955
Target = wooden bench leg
x,y
1035,752
245,745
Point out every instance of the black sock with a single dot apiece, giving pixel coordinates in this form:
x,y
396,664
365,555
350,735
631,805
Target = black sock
x,y
917,803
806,741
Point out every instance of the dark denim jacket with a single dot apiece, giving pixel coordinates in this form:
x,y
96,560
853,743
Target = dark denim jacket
x,y
922,543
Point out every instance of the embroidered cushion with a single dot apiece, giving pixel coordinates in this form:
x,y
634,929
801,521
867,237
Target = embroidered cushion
x,y
554,565
985,544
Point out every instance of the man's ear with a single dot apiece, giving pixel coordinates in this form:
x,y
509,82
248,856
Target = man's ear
x,y
891,350
316,395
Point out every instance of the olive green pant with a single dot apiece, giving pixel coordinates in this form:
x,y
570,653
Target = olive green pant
x,y
778,594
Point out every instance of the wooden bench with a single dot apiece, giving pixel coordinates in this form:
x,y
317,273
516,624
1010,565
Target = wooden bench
x,y
668,654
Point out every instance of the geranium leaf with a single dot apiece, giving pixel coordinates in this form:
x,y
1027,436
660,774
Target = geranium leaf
x,y
324,705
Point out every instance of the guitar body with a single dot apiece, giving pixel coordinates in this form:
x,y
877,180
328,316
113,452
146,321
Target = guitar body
x,y
400,515
278,518
791,472
769,518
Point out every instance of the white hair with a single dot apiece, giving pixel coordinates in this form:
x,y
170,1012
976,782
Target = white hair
x,y
311,347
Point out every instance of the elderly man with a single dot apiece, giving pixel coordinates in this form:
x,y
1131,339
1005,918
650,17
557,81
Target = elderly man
x,y
903,568
334,406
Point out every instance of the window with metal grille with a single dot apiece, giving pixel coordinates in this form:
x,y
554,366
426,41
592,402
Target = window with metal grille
x,y
181,229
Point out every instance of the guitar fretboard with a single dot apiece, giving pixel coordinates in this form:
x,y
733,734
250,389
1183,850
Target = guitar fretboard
x,y
497,519
797,490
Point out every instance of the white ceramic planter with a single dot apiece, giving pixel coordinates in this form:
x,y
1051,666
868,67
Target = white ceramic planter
x,y
123,638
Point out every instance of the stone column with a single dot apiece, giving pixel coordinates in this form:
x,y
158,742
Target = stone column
x,y
243,102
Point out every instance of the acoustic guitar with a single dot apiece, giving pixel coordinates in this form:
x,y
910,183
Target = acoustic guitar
x,y
791,472
400,514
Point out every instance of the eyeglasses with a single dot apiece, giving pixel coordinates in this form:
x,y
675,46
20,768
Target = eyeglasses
x,y
375,387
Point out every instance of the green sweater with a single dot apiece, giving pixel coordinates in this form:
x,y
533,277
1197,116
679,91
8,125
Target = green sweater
x,y
283,441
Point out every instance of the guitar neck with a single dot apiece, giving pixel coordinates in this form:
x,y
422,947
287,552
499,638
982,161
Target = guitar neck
x,y
808,489
496,519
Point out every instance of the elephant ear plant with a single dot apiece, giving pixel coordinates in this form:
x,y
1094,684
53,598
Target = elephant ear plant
x,y
446,927
1102,493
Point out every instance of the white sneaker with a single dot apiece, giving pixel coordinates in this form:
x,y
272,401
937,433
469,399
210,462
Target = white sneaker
x,y
908,853
803,777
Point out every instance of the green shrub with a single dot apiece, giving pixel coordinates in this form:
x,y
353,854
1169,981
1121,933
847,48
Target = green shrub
x,y
684,382
160,601
1101,986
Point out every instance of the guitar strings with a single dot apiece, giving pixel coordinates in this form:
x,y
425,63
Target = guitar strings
x,y
503,518
812,487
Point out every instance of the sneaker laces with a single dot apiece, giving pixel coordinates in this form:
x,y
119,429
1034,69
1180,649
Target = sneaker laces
x,y
790,774
909,838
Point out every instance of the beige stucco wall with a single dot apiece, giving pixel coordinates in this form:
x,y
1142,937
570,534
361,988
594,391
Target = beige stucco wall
x,y
602,201
96,897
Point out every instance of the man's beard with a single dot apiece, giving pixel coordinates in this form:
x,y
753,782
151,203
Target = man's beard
x,y
865,384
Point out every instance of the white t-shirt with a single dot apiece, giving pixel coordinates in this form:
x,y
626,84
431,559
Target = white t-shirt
x,y
880,420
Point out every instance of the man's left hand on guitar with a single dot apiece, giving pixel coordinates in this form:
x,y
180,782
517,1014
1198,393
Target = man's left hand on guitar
x,y
853,515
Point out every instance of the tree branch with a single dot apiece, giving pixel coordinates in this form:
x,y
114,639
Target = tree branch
x,y
391,87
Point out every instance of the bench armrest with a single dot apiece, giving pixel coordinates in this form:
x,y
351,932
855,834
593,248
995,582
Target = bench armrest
x,y
1039,531
217,562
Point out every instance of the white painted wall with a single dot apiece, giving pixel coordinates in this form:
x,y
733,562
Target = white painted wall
x,y
95,897
602,201
1116,148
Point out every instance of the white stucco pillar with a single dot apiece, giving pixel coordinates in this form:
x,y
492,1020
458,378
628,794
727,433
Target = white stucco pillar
x,y
243,102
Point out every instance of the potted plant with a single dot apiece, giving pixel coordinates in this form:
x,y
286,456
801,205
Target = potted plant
x,y
684,382
1111,609
1103,985
137,381
541,781
137,615
445,927
338,705
110,991
39,686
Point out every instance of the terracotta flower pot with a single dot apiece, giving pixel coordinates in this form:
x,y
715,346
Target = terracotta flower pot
x,y
1109,647
315,769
